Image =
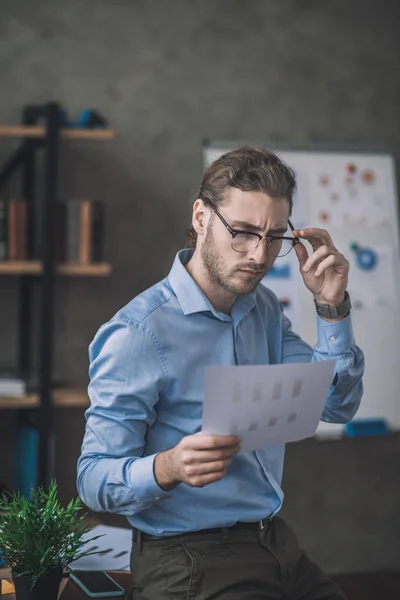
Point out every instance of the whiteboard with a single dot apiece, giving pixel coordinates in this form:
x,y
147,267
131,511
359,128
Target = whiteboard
x,y
353,195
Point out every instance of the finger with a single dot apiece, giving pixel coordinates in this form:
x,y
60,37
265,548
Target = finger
x,y
301,252
315,236
204,456
203,480
207,468
332,261
316,257
203,441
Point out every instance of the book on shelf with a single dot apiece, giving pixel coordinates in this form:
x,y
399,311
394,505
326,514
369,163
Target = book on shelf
x,y
84,237
17,232
3,230
72,225
98,224
13,229
85,231
60,232
26,453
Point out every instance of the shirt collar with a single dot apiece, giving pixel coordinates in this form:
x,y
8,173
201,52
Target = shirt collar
x,y
192,299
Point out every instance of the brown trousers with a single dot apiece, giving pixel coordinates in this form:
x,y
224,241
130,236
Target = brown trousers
x,y
238,564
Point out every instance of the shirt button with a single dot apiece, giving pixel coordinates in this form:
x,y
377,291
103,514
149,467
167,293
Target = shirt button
x,y
157,498
332,338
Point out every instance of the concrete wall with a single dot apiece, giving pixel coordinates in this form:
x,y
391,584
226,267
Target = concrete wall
x,y
167,75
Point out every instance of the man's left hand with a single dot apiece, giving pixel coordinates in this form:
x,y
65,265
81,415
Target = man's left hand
x,y
325,272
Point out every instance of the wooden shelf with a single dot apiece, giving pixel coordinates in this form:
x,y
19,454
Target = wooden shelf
x,y
17,131
34,267
13,402
70,397
20,267
93,269
62,398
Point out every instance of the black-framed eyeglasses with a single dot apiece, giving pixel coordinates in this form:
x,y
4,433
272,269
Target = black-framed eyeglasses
x,y
247,241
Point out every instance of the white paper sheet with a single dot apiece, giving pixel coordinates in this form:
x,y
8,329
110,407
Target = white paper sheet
x,y
268,404
116,547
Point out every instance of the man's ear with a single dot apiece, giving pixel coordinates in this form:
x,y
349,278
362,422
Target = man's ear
x,y
200,217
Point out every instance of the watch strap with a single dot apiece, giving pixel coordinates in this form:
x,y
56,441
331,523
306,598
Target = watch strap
x,y
328,311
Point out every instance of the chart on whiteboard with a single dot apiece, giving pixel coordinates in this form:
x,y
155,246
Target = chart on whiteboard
x,y
372,275
349,194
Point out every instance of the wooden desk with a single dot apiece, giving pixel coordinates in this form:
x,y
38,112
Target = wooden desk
x,y
70,591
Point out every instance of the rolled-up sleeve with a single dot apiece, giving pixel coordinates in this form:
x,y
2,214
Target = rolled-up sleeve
x,y
127,374
335,341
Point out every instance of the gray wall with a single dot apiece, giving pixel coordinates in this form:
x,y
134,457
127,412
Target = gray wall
x,y
167,75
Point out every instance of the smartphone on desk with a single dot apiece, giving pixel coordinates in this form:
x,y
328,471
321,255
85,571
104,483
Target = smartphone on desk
x,y
97,584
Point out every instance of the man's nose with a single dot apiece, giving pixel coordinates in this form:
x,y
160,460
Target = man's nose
x,y
260,252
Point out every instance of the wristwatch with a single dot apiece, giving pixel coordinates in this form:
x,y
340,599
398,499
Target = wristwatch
x,y
328,311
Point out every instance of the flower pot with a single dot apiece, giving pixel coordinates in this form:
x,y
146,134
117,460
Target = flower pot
x,y
46,586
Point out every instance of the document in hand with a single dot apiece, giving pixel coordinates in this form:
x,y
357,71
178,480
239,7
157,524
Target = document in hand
x,y
266,404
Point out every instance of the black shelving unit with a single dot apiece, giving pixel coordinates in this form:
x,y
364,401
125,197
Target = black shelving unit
x,y
42,130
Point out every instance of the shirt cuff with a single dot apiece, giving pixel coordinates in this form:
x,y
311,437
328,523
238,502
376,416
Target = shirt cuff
x,y
144,484
335,338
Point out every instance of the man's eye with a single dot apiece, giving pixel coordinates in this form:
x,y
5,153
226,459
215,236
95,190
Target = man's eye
x,y
247,236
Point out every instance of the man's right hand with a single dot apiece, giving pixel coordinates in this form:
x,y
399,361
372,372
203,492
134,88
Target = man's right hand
x,y
197,460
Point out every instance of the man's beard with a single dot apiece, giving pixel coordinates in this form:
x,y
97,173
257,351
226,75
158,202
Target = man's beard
x,y
217,274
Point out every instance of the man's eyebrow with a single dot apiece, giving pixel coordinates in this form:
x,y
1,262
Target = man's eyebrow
x,y
278,230
251,227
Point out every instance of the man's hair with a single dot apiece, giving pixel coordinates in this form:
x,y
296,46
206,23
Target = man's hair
x,y
247,169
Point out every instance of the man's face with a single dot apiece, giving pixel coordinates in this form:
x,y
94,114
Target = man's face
x,y
249,211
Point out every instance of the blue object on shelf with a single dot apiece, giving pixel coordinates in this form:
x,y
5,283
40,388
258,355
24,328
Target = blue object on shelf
x,y
89,118
26,458
360,427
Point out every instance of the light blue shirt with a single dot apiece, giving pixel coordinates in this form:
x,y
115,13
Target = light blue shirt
x,y
146,390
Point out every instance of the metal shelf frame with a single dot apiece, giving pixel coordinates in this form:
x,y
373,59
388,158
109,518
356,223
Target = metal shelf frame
x,y
24,158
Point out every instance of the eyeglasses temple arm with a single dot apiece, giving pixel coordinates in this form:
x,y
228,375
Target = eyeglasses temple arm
x,y
293,229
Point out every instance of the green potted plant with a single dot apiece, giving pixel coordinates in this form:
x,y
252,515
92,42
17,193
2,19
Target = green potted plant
x,y
39,538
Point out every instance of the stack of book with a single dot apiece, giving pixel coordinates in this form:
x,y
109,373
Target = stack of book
x,y
12,385
13,229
